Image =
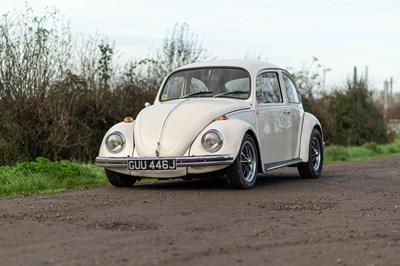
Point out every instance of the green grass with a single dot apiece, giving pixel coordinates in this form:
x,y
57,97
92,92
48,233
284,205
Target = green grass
x,y
335,153
44,176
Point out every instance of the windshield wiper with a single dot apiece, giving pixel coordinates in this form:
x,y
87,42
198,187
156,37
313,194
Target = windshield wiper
x,y
229,92
197,93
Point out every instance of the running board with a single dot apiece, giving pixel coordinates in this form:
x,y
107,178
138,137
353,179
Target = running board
x,y
272,166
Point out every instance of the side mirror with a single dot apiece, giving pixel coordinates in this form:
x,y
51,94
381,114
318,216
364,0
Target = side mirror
x,y
146,104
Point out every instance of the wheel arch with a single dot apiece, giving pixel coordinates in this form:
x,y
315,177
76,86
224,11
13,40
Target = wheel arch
x,y
309,124
256,140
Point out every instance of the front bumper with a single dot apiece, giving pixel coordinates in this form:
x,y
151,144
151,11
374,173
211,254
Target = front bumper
x,y
185,161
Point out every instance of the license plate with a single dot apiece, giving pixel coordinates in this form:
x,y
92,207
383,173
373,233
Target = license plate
x,y
161,164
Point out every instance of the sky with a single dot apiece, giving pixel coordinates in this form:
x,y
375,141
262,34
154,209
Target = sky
x,y
341,34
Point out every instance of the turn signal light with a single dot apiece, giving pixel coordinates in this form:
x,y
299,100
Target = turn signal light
x,y
128,119
222,117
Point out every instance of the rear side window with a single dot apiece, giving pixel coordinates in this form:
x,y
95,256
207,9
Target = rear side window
x,y
267,88
291,91
237,85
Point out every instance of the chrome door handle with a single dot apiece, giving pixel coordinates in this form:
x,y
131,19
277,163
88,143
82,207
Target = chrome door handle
x,y
287,111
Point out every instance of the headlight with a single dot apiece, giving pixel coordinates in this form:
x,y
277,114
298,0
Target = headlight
x,y
115,142
212,140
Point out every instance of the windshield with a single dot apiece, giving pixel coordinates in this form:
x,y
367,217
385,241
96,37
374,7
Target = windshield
x,y
207,82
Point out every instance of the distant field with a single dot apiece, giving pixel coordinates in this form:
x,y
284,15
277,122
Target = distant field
x,y
43,176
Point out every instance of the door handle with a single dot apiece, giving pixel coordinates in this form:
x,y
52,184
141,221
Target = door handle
x,y
287,111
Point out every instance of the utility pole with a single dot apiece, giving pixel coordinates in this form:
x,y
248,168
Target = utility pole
x,y
391,93
355,76
385,99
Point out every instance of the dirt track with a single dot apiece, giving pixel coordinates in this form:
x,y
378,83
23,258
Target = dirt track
x,y
350,216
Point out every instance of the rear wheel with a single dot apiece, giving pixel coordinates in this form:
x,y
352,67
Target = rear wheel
x,y
313,168
243,172
120,180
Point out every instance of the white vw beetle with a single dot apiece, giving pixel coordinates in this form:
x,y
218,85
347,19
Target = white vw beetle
x,y
234,117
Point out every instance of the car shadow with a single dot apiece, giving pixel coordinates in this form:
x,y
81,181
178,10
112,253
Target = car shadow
x,y
272,178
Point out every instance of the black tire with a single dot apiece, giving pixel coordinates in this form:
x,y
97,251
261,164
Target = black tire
x,y
242,173
120,180
313,168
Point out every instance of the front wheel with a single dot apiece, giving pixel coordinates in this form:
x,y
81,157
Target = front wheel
x,y
243,172
120,180
313,168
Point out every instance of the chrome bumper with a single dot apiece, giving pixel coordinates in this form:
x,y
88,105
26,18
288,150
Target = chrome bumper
x,y
186,161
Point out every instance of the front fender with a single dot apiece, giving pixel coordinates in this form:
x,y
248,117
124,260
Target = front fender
x,y
309,123
127,130
232,130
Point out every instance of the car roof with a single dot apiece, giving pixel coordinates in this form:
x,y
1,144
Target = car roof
x,y
250,65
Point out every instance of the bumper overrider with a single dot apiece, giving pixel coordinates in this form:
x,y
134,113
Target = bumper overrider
x,y
185,161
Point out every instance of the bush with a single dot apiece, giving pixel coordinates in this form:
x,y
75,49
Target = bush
x,y
357,119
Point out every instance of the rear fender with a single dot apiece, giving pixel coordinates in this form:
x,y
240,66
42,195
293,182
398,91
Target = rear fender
x,y
310,122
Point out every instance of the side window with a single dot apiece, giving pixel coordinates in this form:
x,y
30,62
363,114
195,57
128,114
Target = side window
x,y
291,91
238,85
197,85
267,88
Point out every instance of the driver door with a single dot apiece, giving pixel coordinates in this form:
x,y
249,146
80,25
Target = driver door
x,y
273,120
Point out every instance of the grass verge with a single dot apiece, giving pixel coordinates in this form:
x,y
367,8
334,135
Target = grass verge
x,y
335,153
44,176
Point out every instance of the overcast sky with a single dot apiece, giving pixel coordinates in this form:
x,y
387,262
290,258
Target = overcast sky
x,y
341,33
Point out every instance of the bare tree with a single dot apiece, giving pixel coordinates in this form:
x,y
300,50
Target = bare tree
x,y
180,47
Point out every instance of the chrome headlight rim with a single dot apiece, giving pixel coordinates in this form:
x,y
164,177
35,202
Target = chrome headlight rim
x,y
221,140
123,141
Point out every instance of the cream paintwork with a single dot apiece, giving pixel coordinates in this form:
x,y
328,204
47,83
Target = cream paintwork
x,y
178,126
297,114
309,123
127,130
175,124
274,131
233,137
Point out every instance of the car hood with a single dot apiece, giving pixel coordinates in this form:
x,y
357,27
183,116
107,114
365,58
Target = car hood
x,y
169,128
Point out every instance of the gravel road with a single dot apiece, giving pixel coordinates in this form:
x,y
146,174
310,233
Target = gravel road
x,y
349,216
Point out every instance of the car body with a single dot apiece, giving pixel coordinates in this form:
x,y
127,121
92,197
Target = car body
x,y
236,118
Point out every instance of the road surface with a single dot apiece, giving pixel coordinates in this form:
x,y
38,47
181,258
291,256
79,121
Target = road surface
x,y
349,216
